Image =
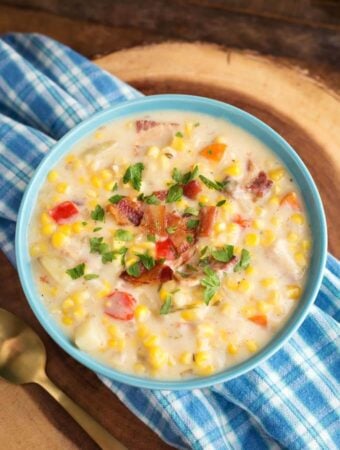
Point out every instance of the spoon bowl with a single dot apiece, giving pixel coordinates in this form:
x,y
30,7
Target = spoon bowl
x,y
23,360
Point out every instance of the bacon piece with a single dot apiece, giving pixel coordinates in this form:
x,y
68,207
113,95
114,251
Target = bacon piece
x,y
207,219
154,219
181,232
192,189
126,211
161,195
260,185
144,125
158,274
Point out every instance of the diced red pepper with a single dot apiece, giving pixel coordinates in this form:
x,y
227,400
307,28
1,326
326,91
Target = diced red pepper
x,y
165,250
207,220
121,305
192,189
63,211
259,320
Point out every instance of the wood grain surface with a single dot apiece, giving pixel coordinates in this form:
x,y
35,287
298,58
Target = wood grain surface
x,y
303,111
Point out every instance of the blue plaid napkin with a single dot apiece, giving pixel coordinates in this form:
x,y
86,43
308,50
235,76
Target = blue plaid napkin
x,y
289,401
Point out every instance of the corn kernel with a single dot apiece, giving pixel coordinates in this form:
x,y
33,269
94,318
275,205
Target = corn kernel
x,y
165,162
142,312
38,249
274,221
203,199
65,228
293,291
268,237
96,181
79,312
268,282
237,250
276,174
225,309
106,174
67,320
77,227
201,358
273,297
53,291
233,170
178,143
157,357
250,270
252,239
52,176
252,346
153,151
219,227
188,127
228,207
232,228
105,290
58,239
232,349
142,331
139,368
259,211
45,219
80,296
297,218
68,303
48,229
205,371
300,259
263,307
292,237
274,201
130,261
112,330
231,284
257,224
189,315
151,340
220,140
205,330
116,344
108,186
185,358
306,244
244,286
91,193
62,187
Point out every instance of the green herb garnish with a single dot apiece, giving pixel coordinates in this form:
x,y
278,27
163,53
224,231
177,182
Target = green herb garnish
x,y
190,239
147,260
197,124
77,271
192,224
217,185
191,211
223,254
221,203
175,193
149,199
98,246
244,261
115,198
108,257
91,276
151,238
98,214
114,187
133,175
179,134
211,283
185,178
171,230
134,270
123,235
165,309
97,229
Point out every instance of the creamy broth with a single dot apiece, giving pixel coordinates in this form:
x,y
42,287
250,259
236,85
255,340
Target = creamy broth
x,y
170,245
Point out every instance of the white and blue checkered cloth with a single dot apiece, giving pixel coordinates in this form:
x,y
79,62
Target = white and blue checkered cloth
x,y
291,400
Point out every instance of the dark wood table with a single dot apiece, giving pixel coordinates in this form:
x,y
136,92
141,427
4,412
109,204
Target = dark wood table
x,y
297,32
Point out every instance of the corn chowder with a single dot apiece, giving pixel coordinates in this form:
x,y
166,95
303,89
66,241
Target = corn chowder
x,y
172,245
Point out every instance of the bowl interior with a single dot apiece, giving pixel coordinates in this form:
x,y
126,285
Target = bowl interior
x,y
199,105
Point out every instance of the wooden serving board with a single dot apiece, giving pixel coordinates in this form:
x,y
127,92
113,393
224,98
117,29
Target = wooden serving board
x,y
298,107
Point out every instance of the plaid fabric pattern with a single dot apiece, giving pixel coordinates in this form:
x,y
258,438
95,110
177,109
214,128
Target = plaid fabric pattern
x,y
291,400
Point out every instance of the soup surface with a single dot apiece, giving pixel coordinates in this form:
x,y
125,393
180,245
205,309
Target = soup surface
x,y
170,245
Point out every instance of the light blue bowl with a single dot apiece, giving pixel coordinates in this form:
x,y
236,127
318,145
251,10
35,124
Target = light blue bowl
x,y
198,105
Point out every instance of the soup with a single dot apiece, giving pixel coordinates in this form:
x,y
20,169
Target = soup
x,y
170,245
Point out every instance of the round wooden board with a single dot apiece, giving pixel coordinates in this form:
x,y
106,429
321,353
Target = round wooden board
x,y
302,110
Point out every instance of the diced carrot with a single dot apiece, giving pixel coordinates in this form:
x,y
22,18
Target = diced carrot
x,y
214,152
259,320
290,199
244,223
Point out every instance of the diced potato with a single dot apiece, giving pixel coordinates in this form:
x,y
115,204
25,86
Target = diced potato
x,y
89,336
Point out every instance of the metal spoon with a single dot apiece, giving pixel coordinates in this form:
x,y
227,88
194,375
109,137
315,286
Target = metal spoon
x,y
23,359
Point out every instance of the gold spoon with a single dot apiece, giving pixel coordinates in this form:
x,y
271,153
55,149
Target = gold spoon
x,y
23,359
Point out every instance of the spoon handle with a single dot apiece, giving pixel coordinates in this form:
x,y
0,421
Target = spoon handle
x,y
102,437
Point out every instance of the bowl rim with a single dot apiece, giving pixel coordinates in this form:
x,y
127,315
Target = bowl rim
x,y
185,103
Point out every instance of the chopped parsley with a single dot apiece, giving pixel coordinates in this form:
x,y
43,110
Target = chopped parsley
x,y
184,178
190,239
192,224
197,124
244,261
98,246
171,230
191,211
133,175
91,276
84,224
134,270
149,199
108,257
97,229
165,309
174,194
221,203
204,251
217,185
115,198
123,235
114,187
98,214
151,238
147,260
179,134
223,254
77,271
211,283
